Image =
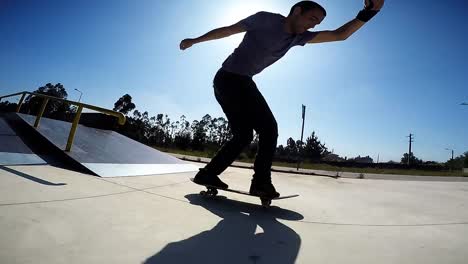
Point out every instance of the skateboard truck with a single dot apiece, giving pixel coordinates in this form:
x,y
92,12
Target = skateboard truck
x,y
265,201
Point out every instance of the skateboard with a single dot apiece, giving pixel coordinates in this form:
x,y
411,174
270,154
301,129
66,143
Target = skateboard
x,y
266,201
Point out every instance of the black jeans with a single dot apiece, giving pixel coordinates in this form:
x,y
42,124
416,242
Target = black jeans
x,y
246,111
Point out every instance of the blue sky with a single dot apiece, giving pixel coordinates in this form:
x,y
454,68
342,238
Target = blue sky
x,y
404,72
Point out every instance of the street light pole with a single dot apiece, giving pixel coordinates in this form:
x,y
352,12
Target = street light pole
x,y
81,93
302,134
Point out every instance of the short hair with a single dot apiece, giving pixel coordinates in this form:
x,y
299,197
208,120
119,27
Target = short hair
x,y
307,6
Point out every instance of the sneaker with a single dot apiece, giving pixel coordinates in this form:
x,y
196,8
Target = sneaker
x,y
204,178
263,189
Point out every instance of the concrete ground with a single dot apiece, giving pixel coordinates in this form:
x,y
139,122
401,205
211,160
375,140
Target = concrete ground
x,y
54,215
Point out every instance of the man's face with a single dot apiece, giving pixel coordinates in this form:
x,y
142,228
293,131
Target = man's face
x,y
308,20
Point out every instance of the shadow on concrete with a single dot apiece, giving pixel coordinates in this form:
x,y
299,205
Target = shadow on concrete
x,y
234,238
29,177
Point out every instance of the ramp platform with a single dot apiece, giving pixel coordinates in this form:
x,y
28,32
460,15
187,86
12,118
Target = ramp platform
x,y
107,153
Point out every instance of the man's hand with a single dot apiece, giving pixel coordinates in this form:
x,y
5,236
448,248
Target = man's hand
x,y
213,34
373,4
371,8
186,43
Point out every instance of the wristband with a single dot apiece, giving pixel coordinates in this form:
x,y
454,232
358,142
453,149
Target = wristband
x,y
366,15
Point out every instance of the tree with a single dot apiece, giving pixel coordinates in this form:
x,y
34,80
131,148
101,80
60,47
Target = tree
x,y
218,131
252,147
203,132
182,135
199,135
458,162
124,104
207,124
54,108
291,148
223,130
360,159
300,148
314,149
157,128
7,107
413,159
137,126
280,151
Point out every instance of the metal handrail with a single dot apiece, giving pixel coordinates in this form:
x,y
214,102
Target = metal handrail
x,y
76,120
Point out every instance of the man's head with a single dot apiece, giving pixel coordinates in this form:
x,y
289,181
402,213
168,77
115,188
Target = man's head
x,y
305,15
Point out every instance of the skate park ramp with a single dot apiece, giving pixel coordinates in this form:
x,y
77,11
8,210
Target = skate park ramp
x,y
13,150
107,153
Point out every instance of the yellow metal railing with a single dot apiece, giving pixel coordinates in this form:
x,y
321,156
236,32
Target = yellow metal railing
x,y
76,120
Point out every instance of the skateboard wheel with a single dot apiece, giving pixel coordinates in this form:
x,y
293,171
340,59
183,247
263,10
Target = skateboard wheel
x,y
212,192
265,202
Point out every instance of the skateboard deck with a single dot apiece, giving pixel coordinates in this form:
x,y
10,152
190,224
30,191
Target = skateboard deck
x,y
213,191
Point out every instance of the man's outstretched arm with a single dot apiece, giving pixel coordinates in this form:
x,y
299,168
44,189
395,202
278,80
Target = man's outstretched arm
x,y
213,34
371,8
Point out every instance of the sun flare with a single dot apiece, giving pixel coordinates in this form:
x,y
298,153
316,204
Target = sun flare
x,y
234,12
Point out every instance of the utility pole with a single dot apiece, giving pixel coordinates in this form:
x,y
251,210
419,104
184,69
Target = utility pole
x,y
302,133
411,140
451,160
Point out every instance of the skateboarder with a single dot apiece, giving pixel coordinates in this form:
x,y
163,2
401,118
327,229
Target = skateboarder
x,y
268,37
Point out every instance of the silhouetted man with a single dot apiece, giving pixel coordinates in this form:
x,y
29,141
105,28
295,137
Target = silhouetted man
x,y
268,37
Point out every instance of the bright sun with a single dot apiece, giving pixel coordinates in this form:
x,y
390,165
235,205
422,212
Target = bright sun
x,y
233,11
236,11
